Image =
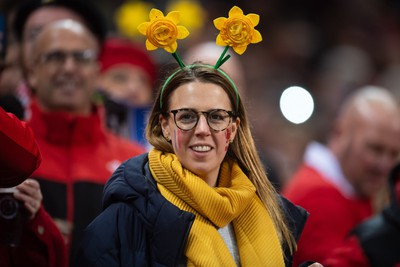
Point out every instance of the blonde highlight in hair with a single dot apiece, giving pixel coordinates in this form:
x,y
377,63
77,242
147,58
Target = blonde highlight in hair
x,y
242,149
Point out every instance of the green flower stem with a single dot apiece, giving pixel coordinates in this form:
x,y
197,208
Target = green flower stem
x,y
222,59
178,59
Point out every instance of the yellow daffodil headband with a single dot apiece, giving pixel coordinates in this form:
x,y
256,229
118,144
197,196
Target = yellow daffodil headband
x,y
236,31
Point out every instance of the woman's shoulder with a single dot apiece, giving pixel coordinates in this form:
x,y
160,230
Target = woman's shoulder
x,y
129,180
98,244
295,215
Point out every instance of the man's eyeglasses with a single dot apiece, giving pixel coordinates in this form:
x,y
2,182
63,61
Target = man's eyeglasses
x,y
58,57
186,119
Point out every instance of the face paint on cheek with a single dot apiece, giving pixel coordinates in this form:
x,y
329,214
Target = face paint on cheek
x,y
177,138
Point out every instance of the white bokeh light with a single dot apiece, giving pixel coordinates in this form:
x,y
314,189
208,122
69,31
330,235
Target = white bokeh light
x,y
296,104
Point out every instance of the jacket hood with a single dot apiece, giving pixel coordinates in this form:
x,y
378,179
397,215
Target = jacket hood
x,y
133,183
169,226
129,182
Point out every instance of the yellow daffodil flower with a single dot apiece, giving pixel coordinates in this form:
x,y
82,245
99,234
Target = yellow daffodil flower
x,y
129,15
162,32
192,14
238,30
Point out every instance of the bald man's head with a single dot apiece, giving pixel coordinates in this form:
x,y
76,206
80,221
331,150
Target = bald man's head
x,y
209,53
65,67
365,138
370,103
60,27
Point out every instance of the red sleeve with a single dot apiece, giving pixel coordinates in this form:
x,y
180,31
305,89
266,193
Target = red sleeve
x,y
331,217
45,230
41,245
19,153
349,254
325,228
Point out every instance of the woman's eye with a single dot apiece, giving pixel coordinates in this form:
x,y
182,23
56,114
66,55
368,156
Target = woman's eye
x,y
216,117
187,117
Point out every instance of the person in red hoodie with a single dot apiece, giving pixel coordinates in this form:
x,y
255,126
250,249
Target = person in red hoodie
x,y
28,237
337,183
79,153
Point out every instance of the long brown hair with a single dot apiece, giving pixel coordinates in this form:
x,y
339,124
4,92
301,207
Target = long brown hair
x,y
241,150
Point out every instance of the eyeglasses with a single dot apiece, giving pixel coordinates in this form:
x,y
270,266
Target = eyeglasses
x,y
58,57
186,119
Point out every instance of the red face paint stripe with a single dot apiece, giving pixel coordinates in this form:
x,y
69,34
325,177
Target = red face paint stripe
x,y
177,138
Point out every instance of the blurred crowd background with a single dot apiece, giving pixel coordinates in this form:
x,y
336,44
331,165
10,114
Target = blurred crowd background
x,y
329,47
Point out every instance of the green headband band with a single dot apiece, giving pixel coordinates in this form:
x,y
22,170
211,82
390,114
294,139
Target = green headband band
x,y
202,65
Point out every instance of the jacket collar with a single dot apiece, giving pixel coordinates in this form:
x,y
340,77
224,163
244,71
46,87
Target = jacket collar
x,y
63,128
319,157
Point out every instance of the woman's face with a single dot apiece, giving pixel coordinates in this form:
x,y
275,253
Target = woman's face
x,y
202,149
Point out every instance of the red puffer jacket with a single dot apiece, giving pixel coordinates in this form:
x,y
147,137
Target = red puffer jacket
x,y
41,242
19,153
41,245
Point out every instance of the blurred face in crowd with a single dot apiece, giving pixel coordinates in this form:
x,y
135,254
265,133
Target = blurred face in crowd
x,y
37,20
201,149
127,83
369,147
65,67
10,74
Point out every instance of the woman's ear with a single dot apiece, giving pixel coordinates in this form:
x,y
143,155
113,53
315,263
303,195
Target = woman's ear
x,y
164,127
235,126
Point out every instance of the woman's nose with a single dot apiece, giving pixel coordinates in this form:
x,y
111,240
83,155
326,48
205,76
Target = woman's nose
x,y
202,125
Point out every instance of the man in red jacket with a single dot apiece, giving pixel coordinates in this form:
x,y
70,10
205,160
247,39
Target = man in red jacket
x,y
337,183
33,239
79,154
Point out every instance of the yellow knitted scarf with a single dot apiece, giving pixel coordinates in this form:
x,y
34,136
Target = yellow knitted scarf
x,y
233,200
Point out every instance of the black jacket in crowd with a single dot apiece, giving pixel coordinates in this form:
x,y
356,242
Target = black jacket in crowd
x,y
379,237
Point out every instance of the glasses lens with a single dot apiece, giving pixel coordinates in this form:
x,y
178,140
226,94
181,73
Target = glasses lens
x,y
59,57
54,57
84,57
218,119
186,119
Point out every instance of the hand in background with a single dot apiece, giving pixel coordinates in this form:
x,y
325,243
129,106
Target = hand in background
x,y
29,193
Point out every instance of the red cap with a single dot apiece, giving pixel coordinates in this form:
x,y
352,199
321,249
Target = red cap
x,y
123,51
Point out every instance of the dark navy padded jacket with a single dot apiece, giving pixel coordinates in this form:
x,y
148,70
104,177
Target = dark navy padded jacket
x,y
139,227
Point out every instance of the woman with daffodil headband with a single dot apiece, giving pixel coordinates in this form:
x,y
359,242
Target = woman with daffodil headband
x,y
201,196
